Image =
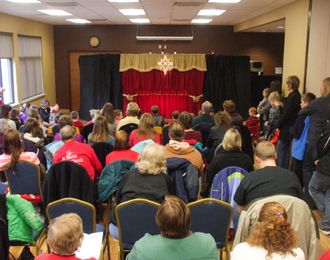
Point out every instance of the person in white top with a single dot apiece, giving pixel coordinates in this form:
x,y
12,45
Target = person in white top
x,y
271,238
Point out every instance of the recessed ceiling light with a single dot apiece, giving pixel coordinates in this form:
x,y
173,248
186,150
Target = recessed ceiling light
x,y
280,27
263,31
200,21
77,20
55,12
224,1
123,1
211,12
132,11
25,1
140,20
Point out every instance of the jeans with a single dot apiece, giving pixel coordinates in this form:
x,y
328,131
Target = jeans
x,y
283,153
308,169
319,188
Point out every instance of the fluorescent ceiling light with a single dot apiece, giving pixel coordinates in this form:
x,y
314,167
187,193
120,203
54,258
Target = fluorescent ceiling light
x,y
77,20
55,12
224,1
132,11
140,20
123,1
200,21
24,1
211,12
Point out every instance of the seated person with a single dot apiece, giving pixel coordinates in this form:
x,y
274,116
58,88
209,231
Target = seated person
x,y
268,180
118,113
179,149
65,234
158,119
100,133
272,237
149,181
230,107
191,136
132,112
230,154
66,120
145,131
121,149
175,115
175,241
76,120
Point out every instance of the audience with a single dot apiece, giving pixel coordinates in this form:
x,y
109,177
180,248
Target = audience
x,y
44,110
191,136
76,120
101,132
275,114
205,121
180,149
158,119
230,107
33,132
5,114
122,149
65,120
3,127
289,115
264,106
145,131
80,153
132,112
54,111
118,113
176,241
272,237
268,179
175,115
253,124
229,154
14,116
64,237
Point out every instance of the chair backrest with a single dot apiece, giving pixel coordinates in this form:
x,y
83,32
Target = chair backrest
x,y
128,128
211,216
86,130
135,218
111,177
102,150
24,178
85,210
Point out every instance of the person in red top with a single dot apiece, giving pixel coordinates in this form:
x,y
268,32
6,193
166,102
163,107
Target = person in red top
x,y
65,234
76,120
253,124
145,131
76,152
122,151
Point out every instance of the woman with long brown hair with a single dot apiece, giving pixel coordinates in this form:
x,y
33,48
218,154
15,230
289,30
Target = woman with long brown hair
x,y
108,112
145,131
272,237
101,133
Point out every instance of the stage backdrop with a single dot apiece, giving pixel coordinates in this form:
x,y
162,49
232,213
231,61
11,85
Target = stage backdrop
x,y
181,88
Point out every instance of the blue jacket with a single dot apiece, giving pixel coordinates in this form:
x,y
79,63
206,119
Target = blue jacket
x,y
184,177
299,145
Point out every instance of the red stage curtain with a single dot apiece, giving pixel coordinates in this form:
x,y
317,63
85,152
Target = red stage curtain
x,y
170,92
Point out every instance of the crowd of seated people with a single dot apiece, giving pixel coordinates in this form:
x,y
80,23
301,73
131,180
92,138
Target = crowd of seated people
x,y
210,142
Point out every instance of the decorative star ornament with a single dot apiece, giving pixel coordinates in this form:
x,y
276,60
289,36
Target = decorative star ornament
x,y
165,64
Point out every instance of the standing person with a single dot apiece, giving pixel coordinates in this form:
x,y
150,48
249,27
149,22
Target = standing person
x,y
264,106
253,124
318,110
176,241
289,115
272,237
158,119
275,114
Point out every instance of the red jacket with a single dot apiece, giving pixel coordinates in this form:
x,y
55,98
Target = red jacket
x,y
129,155
79,153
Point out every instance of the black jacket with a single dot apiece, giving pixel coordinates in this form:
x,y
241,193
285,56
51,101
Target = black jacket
x,y
289,115
319,111
4,240
67,179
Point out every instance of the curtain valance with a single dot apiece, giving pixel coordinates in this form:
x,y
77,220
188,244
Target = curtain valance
x,y
149,62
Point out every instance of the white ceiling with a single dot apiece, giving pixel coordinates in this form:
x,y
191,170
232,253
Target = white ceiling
x,y
158,11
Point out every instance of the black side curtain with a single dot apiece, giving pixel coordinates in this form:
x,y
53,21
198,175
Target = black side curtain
x,y
228,77
99,82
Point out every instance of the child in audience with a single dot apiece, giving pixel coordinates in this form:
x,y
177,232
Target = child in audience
x,y
252,124
300,135
176,241
272,237
55,110
118,115
264,106
14,115
275,114
76,120
65,234
23,111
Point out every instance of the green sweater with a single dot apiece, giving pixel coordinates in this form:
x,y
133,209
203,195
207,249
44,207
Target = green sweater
x,y
196,246
22,219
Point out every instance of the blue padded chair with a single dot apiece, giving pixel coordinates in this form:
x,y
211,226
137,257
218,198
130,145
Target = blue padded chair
x,y
24,178
135,218
85,210
212,216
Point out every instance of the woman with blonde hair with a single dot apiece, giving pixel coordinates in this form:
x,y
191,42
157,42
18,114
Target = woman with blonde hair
x,y
150,180
228,154
176,241
100,133
272,237
145,131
